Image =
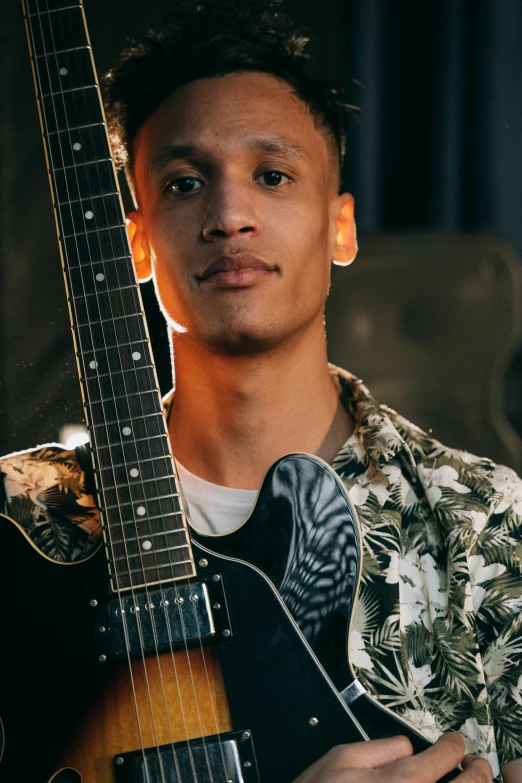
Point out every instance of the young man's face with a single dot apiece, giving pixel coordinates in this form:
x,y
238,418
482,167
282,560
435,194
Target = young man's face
x,y
238,201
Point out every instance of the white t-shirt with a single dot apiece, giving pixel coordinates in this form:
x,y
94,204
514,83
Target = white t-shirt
x,y
213,509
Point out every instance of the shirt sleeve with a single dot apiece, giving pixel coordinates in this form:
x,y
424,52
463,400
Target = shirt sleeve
x,y
46,492
496,590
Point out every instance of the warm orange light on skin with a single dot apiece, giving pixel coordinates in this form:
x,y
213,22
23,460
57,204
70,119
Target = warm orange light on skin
x,y
346,240
301,228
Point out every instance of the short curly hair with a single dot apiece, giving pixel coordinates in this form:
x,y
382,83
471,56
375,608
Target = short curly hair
x,y
213,38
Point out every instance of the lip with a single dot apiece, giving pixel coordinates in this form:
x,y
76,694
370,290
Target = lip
x,y
235,271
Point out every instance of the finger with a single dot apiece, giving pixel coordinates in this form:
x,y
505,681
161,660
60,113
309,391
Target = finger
x,y
359,755
433,763
476,770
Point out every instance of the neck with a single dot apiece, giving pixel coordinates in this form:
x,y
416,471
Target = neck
x,y
233,416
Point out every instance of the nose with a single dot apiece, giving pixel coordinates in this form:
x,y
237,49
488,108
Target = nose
x,y
231,211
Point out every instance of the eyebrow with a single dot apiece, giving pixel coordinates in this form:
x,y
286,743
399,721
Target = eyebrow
x,y
274,144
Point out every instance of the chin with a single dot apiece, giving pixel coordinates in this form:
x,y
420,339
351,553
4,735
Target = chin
x,y
244,341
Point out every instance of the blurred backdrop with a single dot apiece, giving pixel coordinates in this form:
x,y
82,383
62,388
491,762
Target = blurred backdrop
x,y
430,313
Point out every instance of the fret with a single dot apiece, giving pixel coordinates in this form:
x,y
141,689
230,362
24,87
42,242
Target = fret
x,y
101,376
107,305
77,128
102,276
118,523
102,262
150,535
139,381
54,10
182,570
75,166
168,496
133,491
158,567
149,553
72,69
87,230
142,428
71,109
119,441
98,278
62,51
50,34
144,466
110,290
108,321
78,147
33,6
130,453
139,531
87,294
110,334
101,245
103,212
84,181
101,363
126,407
67,90
124,422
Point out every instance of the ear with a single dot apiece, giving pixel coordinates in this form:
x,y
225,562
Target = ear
x,y
346,240
139,246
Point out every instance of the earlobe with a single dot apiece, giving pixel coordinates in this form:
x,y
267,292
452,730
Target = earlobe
x,y
139,247
346,239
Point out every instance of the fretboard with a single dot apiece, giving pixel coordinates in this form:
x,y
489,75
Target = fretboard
x,y
145,529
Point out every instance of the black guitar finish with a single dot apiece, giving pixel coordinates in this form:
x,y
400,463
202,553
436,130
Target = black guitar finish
x,y
304,535
276,687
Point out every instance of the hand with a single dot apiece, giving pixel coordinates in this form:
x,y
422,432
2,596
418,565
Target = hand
x,y
392,761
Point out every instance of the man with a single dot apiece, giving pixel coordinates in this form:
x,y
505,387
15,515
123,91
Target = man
x,y
233,157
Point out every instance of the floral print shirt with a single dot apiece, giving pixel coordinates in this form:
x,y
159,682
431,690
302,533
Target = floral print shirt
x,y
437,628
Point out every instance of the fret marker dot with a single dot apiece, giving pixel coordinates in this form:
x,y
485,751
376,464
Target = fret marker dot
x,y
134,472
77,146
136,356
93,365
141,510
63,71
147,545
126,430
89,215
100,277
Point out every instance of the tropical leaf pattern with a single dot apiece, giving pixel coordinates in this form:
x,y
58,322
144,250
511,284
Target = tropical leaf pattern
x,y
437,628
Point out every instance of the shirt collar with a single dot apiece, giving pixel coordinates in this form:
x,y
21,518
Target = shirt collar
x,y
379,436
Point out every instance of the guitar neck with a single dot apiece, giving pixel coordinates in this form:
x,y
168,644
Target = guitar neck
x,y
145,529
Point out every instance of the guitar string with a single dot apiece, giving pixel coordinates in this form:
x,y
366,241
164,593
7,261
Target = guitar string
x,y
157,568
73,302
135,602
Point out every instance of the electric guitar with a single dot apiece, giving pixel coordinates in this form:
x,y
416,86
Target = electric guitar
x,y
166,656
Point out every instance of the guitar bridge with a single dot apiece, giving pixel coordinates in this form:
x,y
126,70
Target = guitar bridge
x,y
227,758
161,619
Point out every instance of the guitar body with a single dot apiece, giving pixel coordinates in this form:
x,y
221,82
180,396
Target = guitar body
x,y
262,678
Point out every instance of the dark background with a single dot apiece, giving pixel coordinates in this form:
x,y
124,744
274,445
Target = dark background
x,y
437,149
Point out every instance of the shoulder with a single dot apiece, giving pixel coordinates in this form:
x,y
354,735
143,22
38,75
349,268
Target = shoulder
x,y
447,472
46,491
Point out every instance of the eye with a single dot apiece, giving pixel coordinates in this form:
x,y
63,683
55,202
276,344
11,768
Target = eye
x,y
273,179
184,185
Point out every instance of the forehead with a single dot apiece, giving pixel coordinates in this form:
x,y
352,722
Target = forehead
x,y
225,114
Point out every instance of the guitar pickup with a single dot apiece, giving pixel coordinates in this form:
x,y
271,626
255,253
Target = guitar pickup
x,y
227,758
161,619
